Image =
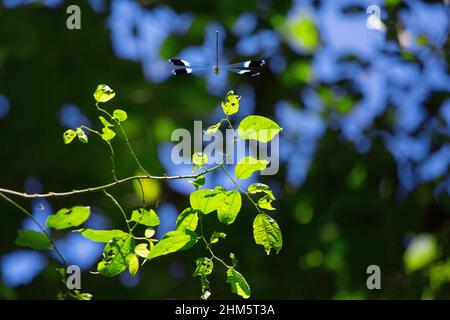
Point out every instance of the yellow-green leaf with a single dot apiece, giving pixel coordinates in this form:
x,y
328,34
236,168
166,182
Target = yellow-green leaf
x,y
102,235
69,135
187,220
258,128
67,218
81,135
133,264
173,241
147,218
231,104
229,207
107,134
206,200
267,233
142,250
247,165
120,115
238,283
103,93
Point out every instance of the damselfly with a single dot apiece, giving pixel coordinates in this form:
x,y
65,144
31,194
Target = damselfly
x,y
250,67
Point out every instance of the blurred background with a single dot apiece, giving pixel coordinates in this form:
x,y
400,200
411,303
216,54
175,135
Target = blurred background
x,y
364,103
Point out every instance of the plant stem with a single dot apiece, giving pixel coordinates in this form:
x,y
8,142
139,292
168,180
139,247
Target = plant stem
x,y
120,208
106,186
18,206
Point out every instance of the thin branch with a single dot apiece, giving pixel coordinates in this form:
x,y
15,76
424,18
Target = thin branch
x,y
105,186
26,212
120,208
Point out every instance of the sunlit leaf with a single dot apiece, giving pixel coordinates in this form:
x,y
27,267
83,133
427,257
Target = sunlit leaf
x,y
120,115
173,241
258,128
147,218
266,203
216,236
234,260
231,104
260,187
107,134
199,159
247,165
102,235
422,250
69,135
229,207
103,93
142,250
116,256
267,233
133,264
238,283
33,239
214,128
206,200
67,218
82,135
149,232
105,122
203,267
187,220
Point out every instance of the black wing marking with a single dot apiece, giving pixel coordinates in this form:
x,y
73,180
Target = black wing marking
x,y
247,72
247,64
182,71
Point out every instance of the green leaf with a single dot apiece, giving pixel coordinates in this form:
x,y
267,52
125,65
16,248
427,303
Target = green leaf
x,y
102,235
267,233
117,254
67,218
199,159
238,283
133,264
229,207
69,135
142,250
198,182
149,232
33,239
173,241
206,290
105,122
266,203
422,250
260,187
107,134
216,236
234,260
247,165
81,135
258,128
120,115
147,218
206,200
231,104
103,93
187,220
214,128
203,267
